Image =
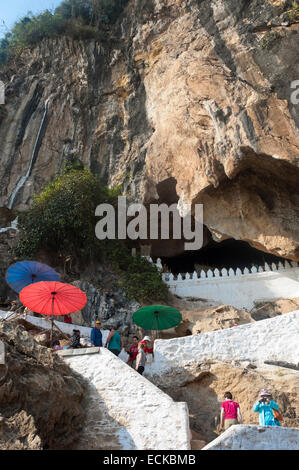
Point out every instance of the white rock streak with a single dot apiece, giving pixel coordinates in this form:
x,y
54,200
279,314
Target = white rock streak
x,y
23,179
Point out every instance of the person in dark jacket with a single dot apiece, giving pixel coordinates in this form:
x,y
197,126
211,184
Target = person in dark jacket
x,y
75,340
96,334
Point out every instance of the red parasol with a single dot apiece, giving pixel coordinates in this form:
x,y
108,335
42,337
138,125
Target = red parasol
x,y
53,298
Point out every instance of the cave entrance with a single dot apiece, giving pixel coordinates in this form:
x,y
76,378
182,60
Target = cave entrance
x,y
226,254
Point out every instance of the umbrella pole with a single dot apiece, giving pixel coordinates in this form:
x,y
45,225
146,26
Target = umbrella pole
x,y
52,318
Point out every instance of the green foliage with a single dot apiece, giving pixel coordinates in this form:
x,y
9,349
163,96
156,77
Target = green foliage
x,y
62,218
269,39
78,19
140,278
294,12
143,281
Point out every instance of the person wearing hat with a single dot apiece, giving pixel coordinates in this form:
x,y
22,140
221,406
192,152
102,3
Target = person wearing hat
x,y
96,334
265,406
145,341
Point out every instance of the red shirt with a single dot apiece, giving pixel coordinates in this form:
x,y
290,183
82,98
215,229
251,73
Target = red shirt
x,y
230,409
67,319
146,349
134,350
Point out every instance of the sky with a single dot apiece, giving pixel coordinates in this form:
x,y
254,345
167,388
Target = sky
x,y
13,10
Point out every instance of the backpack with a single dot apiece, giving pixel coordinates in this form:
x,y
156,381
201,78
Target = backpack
x,y
277,415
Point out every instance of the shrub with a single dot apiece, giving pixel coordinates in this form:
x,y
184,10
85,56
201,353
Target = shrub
x,y
269,39
294,12
62,218
140,278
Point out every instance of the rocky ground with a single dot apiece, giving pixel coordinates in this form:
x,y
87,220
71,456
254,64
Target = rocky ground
x,y
40,396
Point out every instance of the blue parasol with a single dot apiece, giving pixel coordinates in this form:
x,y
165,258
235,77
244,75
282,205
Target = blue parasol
x,y
24,273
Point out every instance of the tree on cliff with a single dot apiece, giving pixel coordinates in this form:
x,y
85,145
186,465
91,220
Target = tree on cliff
x,y
62,218
78,19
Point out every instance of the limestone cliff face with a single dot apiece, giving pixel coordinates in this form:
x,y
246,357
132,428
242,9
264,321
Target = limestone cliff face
x,y
197,92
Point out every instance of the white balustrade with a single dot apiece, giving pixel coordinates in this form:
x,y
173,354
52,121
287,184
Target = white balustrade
x,y
224,273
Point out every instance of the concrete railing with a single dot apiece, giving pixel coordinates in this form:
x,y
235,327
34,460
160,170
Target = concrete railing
x,y
240,289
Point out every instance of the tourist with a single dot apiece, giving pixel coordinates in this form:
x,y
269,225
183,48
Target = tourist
x,y
145,341
265,406
56,345
198,332
96,334
230,412
114,342
75,340
133,352
141,358
67,319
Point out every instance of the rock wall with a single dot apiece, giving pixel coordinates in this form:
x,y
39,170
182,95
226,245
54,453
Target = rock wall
x,y
192,97
125,411
40,396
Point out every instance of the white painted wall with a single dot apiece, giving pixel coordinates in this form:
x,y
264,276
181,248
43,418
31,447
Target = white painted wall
x,y
137,415
272,339
250,437
237,289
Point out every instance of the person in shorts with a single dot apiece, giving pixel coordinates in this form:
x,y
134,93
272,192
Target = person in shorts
x,y
114,342
230,412
141,358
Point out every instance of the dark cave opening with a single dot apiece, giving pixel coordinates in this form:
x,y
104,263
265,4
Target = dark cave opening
x,y
226,254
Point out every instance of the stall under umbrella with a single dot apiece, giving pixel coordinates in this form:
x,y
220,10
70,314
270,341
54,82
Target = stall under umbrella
x,y
53,298
157,317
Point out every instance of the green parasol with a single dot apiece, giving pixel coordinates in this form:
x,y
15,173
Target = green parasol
x,y
157,317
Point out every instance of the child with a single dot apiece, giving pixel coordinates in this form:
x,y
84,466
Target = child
x,y
230,412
